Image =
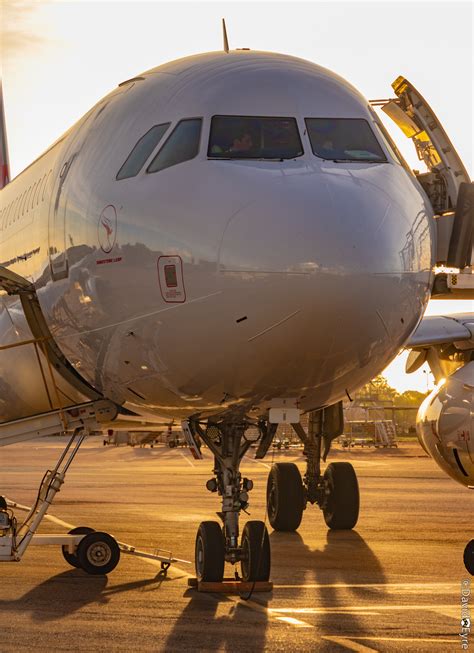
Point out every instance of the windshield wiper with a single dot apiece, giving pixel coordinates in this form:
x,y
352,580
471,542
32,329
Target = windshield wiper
x,y
247,158
355,161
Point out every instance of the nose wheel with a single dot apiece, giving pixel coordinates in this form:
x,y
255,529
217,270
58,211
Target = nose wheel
x,y
256,557
210,552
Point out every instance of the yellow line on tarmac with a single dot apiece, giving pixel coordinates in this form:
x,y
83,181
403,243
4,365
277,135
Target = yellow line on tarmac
x,y
294,622
259,462
359,608
347,643
387,586
269,613
186,459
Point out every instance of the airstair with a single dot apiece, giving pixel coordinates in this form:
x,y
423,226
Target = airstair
x,y
385,434
448,186
93,551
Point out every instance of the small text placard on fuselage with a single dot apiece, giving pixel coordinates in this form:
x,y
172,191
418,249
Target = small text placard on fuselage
x,y
284,411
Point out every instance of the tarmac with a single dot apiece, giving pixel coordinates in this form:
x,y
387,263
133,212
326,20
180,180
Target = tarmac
x,y
392,584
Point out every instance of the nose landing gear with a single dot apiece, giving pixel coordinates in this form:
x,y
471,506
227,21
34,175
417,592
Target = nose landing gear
x,y
215,543
336,492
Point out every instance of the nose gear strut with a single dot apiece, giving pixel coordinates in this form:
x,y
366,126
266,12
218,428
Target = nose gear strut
x,y
216,543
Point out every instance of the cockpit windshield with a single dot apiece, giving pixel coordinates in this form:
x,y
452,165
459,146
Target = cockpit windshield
x,y
344,139
254,137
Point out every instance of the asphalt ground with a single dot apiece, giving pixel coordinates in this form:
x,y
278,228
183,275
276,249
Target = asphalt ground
x,y
392,584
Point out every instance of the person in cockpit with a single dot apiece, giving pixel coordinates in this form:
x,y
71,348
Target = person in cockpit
x,y
241,143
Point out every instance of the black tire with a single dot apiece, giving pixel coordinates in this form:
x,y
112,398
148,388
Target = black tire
x,y
71,558
341,508
98,553
285,497
256,560
209,552
469,557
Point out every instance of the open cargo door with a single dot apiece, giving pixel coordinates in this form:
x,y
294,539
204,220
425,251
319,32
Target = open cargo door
x,y
446,183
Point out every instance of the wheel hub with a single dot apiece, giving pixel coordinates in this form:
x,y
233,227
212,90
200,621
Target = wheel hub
x,y
99,554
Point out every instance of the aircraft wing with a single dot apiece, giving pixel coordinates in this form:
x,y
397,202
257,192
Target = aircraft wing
x,y
445,342
442,329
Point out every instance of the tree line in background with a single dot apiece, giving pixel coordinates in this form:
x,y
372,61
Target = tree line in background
x,y
378,400
379,390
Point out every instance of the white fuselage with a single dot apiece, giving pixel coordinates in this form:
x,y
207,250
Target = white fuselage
x,y
330,263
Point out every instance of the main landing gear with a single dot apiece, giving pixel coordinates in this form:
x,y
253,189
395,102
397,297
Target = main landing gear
x,y
217,543
336,491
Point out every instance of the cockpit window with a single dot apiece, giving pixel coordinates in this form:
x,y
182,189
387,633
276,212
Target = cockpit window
x,y
344,139
182,145
249,137
142,150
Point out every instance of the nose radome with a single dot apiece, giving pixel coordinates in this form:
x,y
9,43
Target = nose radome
x,y
306,223
315,265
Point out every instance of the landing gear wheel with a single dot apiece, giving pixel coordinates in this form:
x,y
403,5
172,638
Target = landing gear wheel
x,y
469,557
71,558
98,553
341,507
209,552
256,556
285,497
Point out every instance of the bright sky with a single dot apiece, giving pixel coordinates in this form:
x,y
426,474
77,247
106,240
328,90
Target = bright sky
x,y
59,58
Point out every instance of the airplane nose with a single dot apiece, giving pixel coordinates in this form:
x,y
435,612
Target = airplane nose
x,y
318,261
334,223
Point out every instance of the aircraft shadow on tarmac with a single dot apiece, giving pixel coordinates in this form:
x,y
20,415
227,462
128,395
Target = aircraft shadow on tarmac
x,y
346,559
206,625
70,591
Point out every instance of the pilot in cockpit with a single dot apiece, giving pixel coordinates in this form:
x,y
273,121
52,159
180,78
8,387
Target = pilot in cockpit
x,y
241,142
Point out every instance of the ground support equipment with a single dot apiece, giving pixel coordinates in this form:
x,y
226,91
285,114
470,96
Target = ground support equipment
x,y
93,551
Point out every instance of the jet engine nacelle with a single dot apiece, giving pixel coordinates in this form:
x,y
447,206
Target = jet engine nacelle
x,y
445,424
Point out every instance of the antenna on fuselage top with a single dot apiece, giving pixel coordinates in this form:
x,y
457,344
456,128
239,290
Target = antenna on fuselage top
x,y
224,34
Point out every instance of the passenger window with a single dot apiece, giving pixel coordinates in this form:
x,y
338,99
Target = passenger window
x,y
344,139
182,145
253,137
141,151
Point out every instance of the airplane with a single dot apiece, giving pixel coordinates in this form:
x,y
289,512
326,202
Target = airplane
x,y
233,239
